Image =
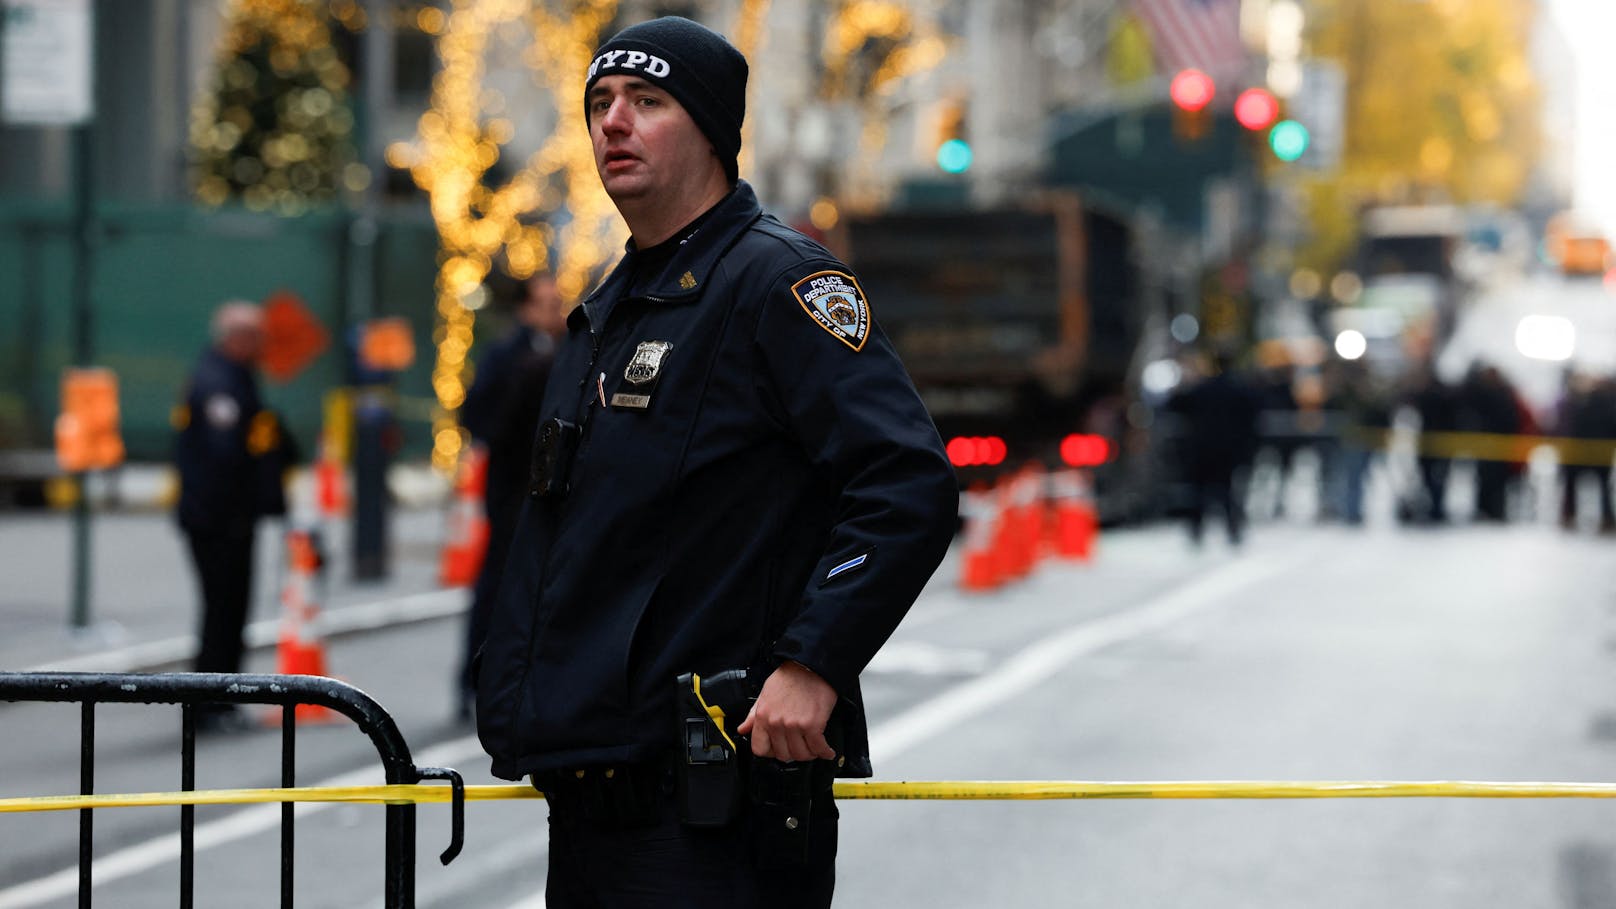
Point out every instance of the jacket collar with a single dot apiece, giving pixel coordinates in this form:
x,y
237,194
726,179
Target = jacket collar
x,y
686,275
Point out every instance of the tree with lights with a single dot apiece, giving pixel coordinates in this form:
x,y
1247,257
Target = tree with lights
x,y
276,132
553,199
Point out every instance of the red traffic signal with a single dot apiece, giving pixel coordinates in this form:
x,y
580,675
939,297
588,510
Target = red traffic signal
x,y
1191,89
1256,108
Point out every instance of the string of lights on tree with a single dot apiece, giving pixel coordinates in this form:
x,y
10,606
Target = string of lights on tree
x,y
276,131
277,135
459,139
458,142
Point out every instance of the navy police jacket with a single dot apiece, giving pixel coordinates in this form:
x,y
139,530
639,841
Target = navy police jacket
x,y
755,481
229,450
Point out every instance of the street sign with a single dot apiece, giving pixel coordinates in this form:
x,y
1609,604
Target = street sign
x,y
45,62
87,436
387,345
1320,105
293,337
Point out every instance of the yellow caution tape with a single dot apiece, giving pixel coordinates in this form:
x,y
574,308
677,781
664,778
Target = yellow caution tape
x,y
1490,446
1215,789
954,790
379,795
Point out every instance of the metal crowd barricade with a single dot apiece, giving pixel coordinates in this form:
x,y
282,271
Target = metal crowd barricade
x,y
190,689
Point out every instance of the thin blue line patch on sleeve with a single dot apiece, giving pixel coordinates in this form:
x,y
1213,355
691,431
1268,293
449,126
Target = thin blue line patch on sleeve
x,y
848,565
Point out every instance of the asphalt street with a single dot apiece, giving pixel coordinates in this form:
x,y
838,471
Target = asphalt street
x,y
1315,652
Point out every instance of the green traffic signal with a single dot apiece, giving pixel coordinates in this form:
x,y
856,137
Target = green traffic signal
x,y
954,156
1288,139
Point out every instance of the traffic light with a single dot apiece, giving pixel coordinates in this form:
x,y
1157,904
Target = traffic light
x,y
1191,91
953,146
954,156
1288,139
1256,108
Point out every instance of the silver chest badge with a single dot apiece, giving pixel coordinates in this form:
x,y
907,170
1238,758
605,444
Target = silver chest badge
x,y
647,362
641,374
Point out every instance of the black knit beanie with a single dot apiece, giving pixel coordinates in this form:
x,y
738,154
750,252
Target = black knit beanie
x,y
691,62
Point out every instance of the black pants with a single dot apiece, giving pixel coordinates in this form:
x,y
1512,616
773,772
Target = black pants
x,y
666,865
224,563
1222,491
1569,476
1434,480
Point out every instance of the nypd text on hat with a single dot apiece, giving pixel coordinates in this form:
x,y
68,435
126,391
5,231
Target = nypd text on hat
x,y
630,61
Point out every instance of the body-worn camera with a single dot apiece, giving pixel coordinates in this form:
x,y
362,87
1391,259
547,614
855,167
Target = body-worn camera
x,y
553,450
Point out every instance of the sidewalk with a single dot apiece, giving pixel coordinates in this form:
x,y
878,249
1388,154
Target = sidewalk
x,y
144,605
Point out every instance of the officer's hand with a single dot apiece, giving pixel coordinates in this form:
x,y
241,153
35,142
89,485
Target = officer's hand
x,y
788,720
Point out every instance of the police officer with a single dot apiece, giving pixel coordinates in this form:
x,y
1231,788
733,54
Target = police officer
x,y
230,453
502,413
733,471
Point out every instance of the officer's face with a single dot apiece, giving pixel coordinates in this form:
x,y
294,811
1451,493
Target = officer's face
x,y
645,142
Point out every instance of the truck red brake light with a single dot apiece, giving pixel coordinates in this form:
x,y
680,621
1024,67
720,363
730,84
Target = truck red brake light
x,y
1082,450
976,451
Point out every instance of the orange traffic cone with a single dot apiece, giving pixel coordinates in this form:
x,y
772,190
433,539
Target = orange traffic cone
x,y
1030,495
466,540
330,484
979,568
1077,524
1018,537
301,650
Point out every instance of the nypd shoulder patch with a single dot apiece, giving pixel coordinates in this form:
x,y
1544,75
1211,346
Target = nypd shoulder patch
x,y
834,300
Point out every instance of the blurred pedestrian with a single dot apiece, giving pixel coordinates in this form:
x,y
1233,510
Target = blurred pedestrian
x,y
230,453
1488,404
1278,423
1363,408
1587,411
501,412
733,474
1218,416
1437,406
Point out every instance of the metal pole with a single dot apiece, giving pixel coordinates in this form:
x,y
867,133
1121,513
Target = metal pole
x,y
370,511
83,353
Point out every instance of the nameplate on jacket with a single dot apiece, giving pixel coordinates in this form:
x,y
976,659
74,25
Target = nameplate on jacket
x,y
641,375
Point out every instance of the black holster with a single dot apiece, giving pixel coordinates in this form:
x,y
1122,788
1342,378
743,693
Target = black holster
x,y
783,795
717,776
709,773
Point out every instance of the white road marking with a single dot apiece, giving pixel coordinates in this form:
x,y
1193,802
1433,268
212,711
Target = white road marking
x,y
1042,660
415,607
923,658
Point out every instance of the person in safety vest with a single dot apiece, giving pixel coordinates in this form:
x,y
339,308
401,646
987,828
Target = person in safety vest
x,y
729,483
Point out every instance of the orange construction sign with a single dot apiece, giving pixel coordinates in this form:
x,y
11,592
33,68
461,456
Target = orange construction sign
x,y
387,345
87,436
293,337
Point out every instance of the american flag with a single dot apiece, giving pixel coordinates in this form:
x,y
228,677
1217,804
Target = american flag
x,y
1195,34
